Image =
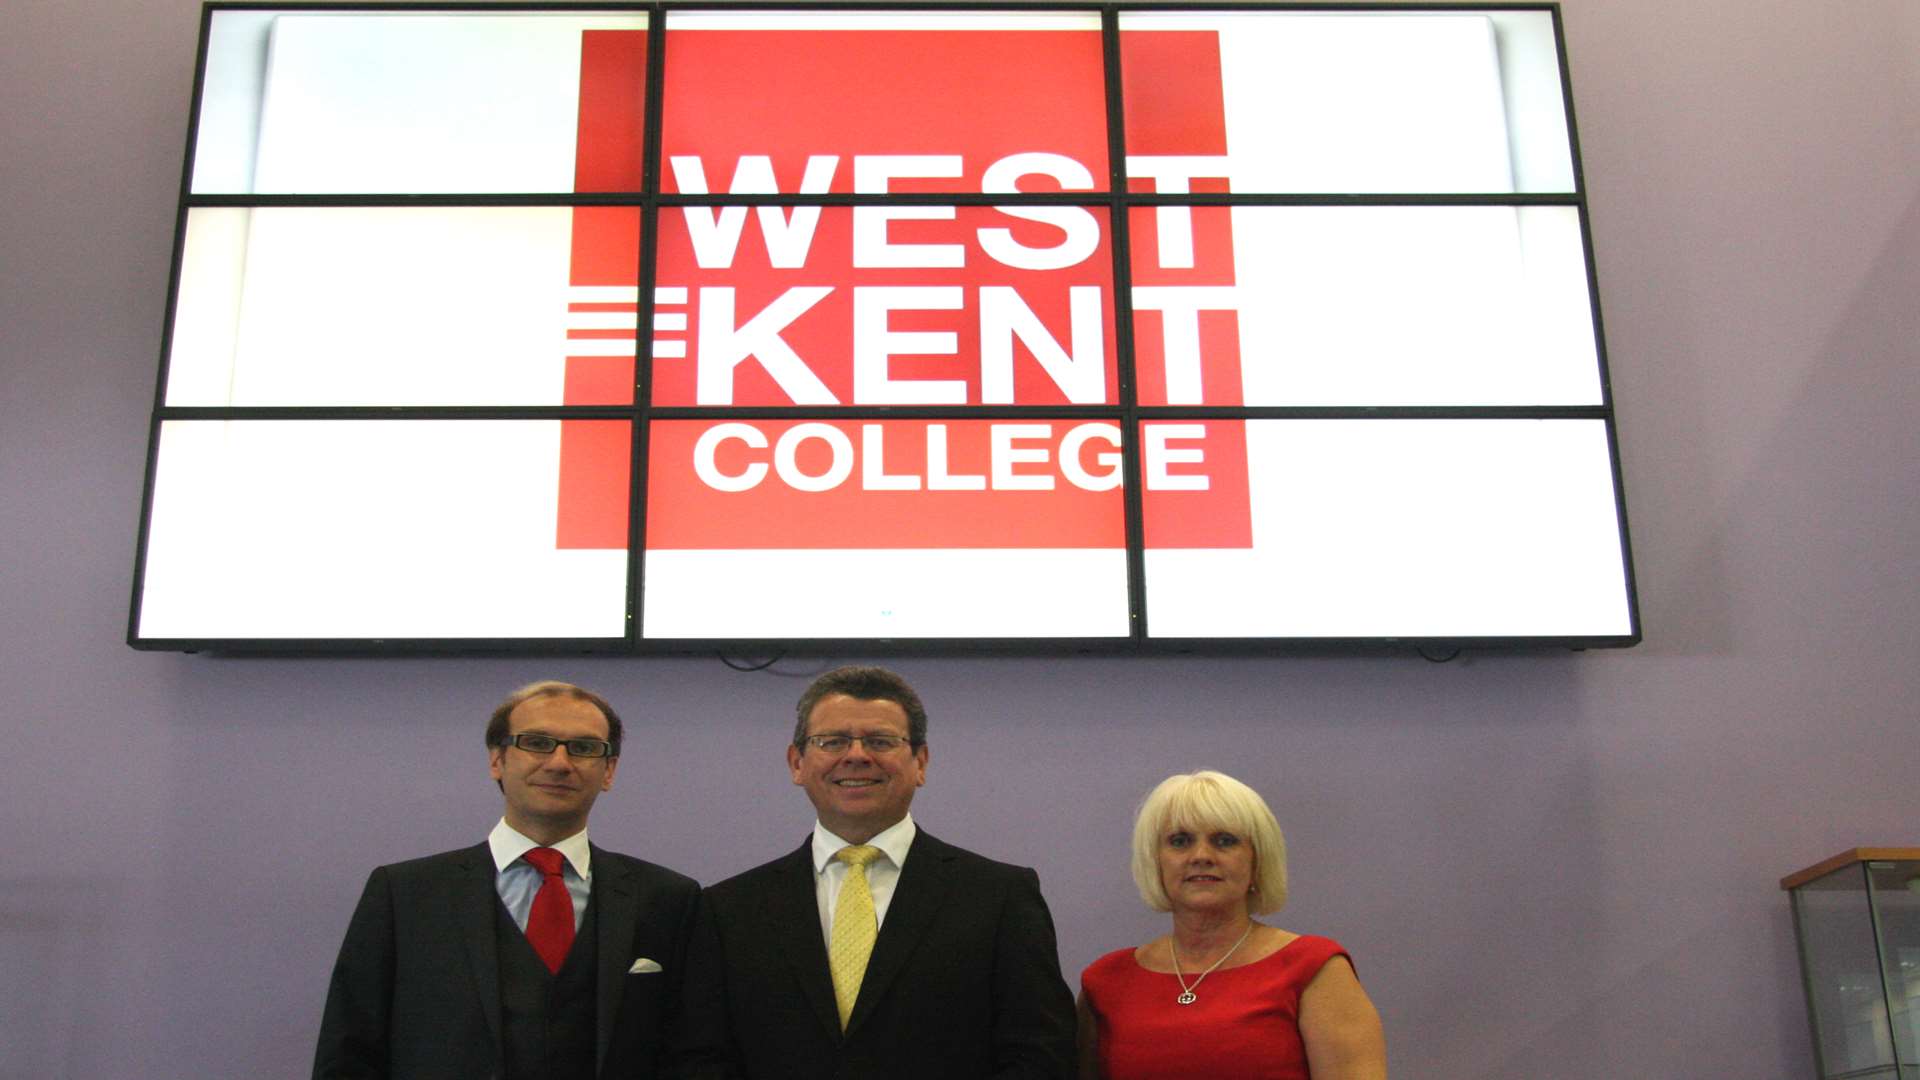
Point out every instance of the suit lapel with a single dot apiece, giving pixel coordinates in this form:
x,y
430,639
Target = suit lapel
x,y
616,902
792,902
472,902
917,898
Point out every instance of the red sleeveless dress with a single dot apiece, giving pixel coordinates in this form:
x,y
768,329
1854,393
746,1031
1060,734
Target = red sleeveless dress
x,y
1243,1025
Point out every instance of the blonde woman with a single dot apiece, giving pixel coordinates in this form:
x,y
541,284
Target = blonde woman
x,y
1222,996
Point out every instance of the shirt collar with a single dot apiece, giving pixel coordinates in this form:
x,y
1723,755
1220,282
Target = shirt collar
x,y
509,844
893,842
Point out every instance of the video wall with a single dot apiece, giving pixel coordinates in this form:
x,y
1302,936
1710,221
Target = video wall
x,y
664,328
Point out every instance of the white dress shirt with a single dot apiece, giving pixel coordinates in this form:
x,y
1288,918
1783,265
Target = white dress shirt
x,y
883,873
518,880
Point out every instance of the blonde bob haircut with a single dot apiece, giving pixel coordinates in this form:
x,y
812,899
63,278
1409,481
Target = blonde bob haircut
x,y
1204,802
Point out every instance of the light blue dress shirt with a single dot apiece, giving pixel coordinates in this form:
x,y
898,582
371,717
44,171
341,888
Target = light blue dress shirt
x,y
518,880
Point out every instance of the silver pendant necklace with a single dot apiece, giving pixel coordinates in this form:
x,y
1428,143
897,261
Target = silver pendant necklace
x,y
1186,992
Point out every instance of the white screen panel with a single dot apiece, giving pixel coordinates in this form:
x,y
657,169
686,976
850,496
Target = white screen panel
x,y
1531,86
886,594
368,529
1410,528
1414,305
233,84
393,102
884,529
883,20
378,306
1362,102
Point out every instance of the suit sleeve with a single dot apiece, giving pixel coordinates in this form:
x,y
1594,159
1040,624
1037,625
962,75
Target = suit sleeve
x,y
700,1043
1034,1021
354,1027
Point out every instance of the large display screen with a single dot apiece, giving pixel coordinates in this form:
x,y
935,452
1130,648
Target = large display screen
x,y
1097,327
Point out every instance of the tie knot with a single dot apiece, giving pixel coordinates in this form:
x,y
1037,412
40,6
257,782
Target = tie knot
x,y
857,854
546,860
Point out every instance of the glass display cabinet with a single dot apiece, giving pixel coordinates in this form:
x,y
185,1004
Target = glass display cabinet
x,y
1857,918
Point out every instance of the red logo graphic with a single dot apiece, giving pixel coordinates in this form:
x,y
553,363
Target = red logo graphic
x,y
901,304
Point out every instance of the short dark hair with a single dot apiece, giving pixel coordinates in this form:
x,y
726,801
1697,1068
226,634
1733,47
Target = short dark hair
x,y
863,684
497,723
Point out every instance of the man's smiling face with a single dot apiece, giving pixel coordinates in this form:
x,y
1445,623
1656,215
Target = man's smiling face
x,y
858,793
549,795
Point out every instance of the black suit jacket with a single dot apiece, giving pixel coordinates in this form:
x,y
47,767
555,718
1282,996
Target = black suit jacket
x,y
416,996
964,981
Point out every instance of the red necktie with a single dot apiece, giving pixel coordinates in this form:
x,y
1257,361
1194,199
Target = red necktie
x,y
550,923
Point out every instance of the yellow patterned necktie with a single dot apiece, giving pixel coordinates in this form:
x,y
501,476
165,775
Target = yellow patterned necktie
x,y
854,928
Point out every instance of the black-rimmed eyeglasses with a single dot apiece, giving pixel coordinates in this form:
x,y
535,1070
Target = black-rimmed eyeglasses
x,y
545,744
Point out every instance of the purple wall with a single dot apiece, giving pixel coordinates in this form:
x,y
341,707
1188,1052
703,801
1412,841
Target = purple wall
x,y
1547,866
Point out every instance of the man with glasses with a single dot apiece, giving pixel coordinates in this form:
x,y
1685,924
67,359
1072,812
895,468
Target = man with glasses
x,y
531,954
876,950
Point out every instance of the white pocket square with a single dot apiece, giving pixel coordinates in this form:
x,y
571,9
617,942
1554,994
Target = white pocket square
x,y
643,965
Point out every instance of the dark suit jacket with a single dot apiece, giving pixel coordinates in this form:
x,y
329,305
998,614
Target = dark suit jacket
x,y
964,981
415,994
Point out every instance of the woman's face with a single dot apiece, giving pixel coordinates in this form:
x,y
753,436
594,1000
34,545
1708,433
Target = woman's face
x,y
1206,869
